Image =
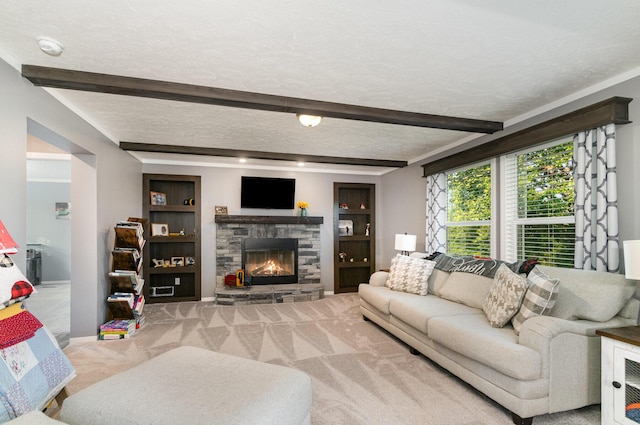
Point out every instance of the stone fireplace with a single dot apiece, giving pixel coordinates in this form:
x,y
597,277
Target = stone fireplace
x,y
235,231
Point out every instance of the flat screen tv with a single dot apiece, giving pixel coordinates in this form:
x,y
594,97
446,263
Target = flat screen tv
x,y
265,192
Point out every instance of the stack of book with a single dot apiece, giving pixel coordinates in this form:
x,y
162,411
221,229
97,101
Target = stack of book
x,y
117,329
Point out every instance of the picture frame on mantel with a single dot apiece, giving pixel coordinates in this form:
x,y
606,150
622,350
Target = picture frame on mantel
x,y
220,210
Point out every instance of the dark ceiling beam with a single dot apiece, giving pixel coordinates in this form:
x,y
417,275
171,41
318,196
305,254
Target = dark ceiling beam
x,y
194,150
129,86
614,110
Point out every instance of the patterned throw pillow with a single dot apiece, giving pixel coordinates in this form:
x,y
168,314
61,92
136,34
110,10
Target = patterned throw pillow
x,y
13,284
539,299
409,274
504,297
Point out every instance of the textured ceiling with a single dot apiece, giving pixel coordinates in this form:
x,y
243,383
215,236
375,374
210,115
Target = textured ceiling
x,y
493,60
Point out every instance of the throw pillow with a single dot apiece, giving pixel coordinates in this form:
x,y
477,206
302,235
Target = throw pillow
x,y
504,297
13,284
539,299
409,274
470,264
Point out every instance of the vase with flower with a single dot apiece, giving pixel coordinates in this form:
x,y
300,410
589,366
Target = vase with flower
x,y
303,208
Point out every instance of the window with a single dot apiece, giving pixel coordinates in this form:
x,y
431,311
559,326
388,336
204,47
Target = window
x,y
539,203
469,211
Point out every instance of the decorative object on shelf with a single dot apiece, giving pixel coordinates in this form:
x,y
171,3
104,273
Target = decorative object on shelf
x,y
365,259
220,210
343,257
363,206
351,260
367,230
344,206
405,243
303,205
345,227
632,259
177,261
189,201
158,198
159,229
189,261
158,263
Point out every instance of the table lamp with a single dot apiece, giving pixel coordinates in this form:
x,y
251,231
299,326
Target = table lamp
x,y
405,243
632,259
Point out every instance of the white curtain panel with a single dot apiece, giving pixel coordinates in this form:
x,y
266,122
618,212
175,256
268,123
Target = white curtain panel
x,y
596,200
436,213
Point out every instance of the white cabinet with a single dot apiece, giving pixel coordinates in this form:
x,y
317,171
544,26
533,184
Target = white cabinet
x,y
621,375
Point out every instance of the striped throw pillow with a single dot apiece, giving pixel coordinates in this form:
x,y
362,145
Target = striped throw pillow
x,y
539,299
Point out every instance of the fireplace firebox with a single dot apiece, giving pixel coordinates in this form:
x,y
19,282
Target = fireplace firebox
x,y
270,261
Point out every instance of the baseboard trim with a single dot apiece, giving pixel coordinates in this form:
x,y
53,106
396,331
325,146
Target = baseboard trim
x,y
81,339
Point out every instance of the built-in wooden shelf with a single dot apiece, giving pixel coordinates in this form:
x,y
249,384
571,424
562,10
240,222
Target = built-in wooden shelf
x,y
268,219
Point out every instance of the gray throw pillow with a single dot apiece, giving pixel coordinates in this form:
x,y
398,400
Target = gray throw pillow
x,y
539,299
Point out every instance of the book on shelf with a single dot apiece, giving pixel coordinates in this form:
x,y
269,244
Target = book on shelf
x,y
126,259
125,305
125,281
129,235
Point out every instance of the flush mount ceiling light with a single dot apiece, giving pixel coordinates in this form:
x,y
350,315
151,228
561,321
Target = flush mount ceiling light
x,y
50,46
309,120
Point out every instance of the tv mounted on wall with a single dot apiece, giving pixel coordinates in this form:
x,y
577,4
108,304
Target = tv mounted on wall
x,y
265,192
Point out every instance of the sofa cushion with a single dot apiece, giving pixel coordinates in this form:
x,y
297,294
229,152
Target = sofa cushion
x,y
466,288
437,280
588,294
417,311
539,299
380,297
505,296
498,348
409,274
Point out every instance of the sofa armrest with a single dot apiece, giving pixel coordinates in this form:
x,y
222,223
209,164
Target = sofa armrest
x,y
378,278
537,332
566,345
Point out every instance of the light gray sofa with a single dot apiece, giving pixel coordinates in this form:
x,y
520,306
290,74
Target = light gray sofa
x,y
553,364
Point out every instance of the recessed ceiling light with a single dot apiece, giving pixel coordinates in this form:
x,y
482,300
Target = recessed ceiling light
x,y
50,46
243,160
300,164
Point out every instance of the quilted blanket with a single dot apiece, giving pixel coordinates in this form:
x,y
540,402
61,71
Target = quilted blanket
x,y
32,372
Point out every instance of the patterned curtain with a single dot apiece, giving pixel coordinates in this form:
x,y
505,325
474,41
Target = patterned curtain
x,y
596,200
436,213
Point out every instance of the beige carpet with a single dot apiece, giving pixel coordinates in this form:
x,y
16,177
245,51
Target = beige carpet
x,y
360,373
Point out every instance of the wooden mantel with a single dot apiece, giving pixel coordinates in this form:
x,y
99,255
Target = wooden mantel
x,y
268,219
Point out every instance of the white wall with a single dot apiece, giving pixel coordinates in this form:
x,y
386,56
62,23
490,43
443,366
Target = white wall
x,y
106,187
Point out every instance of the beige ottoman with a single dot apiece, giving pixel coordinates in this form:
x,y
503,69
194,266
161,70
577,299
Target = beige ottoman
x,y
190,385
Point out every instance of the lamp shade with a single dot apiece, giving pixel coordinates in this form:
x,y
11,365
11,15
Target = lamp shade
x,y
405,242
632,259
7,244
